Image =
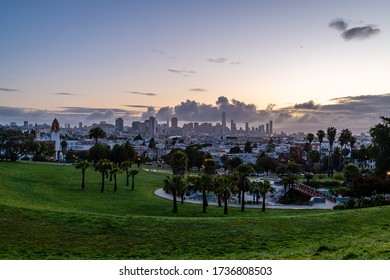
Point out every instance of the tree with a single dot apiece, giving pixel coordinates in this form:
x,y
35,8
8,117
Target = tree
x,y
114,170
130,153
224,187
308,177
321,136
380,134
172,184
210,166
12,143
125,166
344,139
203,183
234,162
132,173
235,150
271,145
102,166
331,132
118,154
351,171
265,188
96,133
310,138
248,147
83,165
63,144
243,170
195,156
178,161
265,163
98,152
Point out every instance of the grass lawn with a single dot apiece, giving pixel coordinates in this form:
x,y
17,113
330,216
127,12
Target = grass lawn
x,y
45,215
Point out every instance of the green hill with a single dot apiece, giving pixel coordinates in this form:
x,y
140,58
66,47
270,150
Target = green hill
x,y
45,215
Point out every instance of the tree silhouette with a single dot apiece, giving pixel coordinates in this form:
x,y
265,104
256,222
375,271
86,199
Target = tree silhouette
x,y
83,165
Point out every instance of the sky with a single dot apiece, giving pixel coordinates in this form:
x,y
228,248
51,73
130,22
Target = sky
x,y
305,64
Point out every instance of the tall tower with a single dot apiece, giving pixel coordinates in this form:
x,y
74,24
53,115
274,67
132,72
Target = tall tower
x,y
174,122
270,128
223,132
152,127
118,124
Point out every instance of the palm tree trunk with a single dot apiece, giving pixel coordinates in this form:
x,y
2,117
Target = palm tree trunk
x,y
115,187
243,201
102,189
225,209
204,201
127,177
219,201
132,183
263,206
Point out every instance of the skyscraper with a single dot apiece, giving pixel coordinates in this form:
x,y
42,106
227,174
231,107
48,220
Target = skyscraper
x,y
174,122
119,124
152,127
270,128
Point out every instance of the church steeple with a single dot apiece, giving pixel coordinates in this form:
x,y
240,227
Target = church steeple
x,y
55,126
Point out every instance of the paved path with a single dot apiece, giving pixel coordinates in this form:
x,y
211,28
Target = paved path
x,y
326,205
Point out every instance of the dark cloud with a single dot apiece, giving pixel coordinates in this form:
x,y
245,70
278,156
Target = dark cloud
x,y
184,72
158,51
151,112
339,24
217,60
88,110
198,89
165,113
235,62
359,32
310,105
63,93
137,106
9,90
142,93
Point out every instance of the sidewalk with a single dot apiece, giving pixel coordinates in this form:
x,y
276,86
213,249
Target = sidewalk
x,y
327,205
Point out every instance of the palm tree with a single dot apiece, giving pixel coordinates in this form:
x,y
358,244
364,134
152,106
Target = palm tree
x,y
97,132
83,165
125,166
224,187
114,170
178,162
285,180
320,135
344,139
172,184
132,173
310,138
202,183
244,170
102,166
331,132
265,188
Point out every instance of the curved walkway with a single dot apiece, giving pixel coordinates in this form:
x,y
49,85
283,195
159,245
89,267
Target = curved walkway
x,y
326,205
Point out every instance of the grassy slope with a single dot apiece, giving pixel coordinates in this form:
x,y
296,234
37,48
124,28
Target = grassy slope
x,y
45,215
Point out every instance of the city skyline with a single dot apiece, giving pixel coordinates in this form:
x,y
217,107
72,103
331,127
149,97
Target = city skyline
x,y
305,65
